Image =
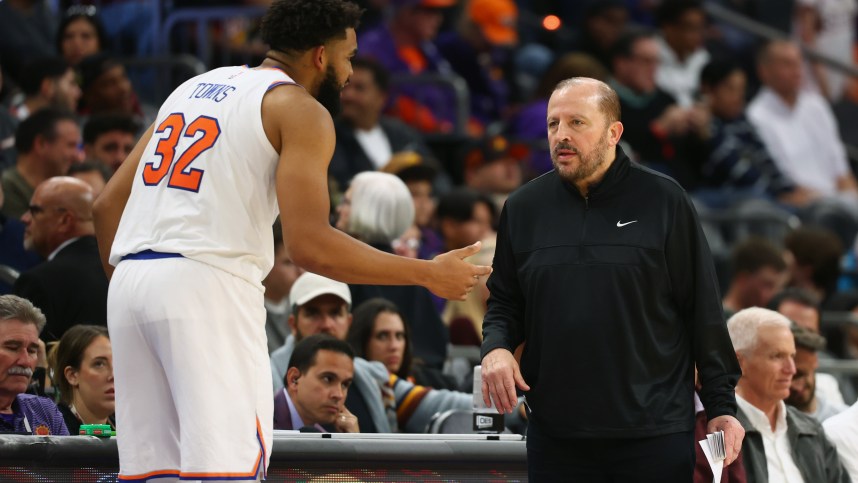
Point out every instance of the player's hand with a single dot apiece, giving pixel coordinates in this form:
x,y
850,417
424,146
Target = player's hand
x,y
734,433
346,422
501,376
453,278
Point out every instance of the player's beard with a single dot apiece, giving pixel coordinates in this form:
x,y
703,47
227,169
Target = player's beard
x,y
588,163
329,92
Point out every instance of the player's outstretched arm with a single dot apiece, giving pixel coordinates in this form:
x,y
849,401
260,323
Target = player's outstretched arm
x,y
108,207
301,130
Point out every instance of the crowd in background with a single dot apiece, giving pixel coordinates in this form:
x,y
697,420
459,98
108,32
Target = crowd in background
x,y
747,127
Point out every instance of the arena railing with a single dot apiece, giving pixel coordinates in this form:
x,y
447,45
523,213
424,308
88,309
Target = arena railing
x,y
295,457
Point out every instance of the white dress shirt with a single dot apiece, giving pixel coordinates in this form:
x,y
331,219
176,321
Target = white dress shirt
x,y
779,463
803,139
376,145
677,78
842,431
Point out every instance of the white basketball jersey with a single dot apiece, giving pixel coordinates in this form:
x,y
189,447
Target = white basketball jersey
x,y
205,187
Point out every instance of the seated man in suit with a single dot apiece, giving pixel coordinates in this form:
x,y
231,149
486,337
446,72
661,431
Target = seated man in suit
x,y
367,139
70,286
781,442
320,372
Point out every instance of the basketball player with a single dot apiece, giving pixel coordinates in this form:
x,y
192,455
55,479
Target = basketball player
x,y
186,222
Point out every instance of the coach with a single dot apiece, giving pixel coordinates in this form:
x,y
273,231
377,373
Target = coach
x,y
604,274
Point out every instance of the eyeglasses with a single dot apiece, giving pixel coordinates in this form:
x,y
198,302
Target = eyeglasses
x,y
36,209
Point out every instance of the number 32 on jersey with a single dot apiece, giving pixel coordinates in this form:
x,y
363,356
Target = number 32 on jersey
x,y
182,176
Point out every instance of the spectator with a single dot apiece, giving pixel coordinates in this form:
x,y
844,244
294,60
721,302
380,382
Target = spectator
x,y
20,324
12,252
47,83
80,34
828,26
377,209
800,131
277,285
70,285
109,138
321,371
366,139
420,177
379,333
108,90
480,50
737,164
95,175
758,272
28,28
802,394
47,144
659,132
802,308
603,22
813,257
404,45
781,442
321,305
682,24
799,305
465,217
842,431
493,166
83,369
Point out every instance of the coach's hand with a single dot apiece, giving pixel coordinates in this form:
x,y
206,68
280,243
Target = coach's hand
x,y
453,278
734,433
500,376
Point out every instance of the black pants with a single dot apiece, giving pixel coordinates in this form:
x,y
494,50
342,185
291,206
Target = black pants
x,y
660,459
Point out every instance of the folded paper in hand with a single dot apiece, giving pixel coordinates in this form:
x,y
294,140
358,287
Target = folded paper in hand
x,y
715,451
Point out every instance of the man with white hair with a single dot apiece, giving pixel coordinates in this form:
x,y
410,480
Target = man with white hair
x,y
782,444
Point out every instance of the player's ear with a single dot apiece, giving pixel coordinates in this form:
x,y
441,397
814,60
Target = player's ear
x,y
319,57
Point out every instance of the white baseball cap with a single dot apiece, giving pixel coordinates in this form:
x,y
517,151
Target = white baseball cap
x,y
309,286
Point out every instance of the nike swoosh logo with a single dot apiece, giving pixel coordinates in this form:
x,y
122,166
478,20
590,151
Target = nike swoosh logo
x,y
620,224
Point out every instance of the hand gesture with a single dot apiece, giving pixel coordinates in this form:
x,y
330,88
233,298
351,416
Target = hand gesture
x,y
500,375
453,278
347,422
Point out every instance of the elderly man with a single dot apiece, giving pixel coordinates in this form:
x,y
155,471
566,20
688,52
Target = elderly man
x,y
70,286
601,267
320,373
20,323
782,443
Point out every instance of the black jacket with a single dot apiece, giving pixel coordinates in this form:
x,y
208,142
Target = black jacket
x,y
70,289
616,298
349,157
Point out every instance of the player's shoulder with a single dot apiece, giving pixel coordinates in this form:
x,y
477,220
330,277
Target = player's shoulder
x,y
292,106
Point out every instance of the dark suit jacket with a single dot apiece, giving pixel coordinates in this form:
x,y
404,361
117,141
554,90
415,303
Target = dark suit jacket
x,y
350,158
282,415
70,289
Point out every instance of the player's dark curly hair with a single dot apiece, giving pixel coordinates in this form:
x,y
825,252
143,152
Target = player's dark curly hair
x,y
299,25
